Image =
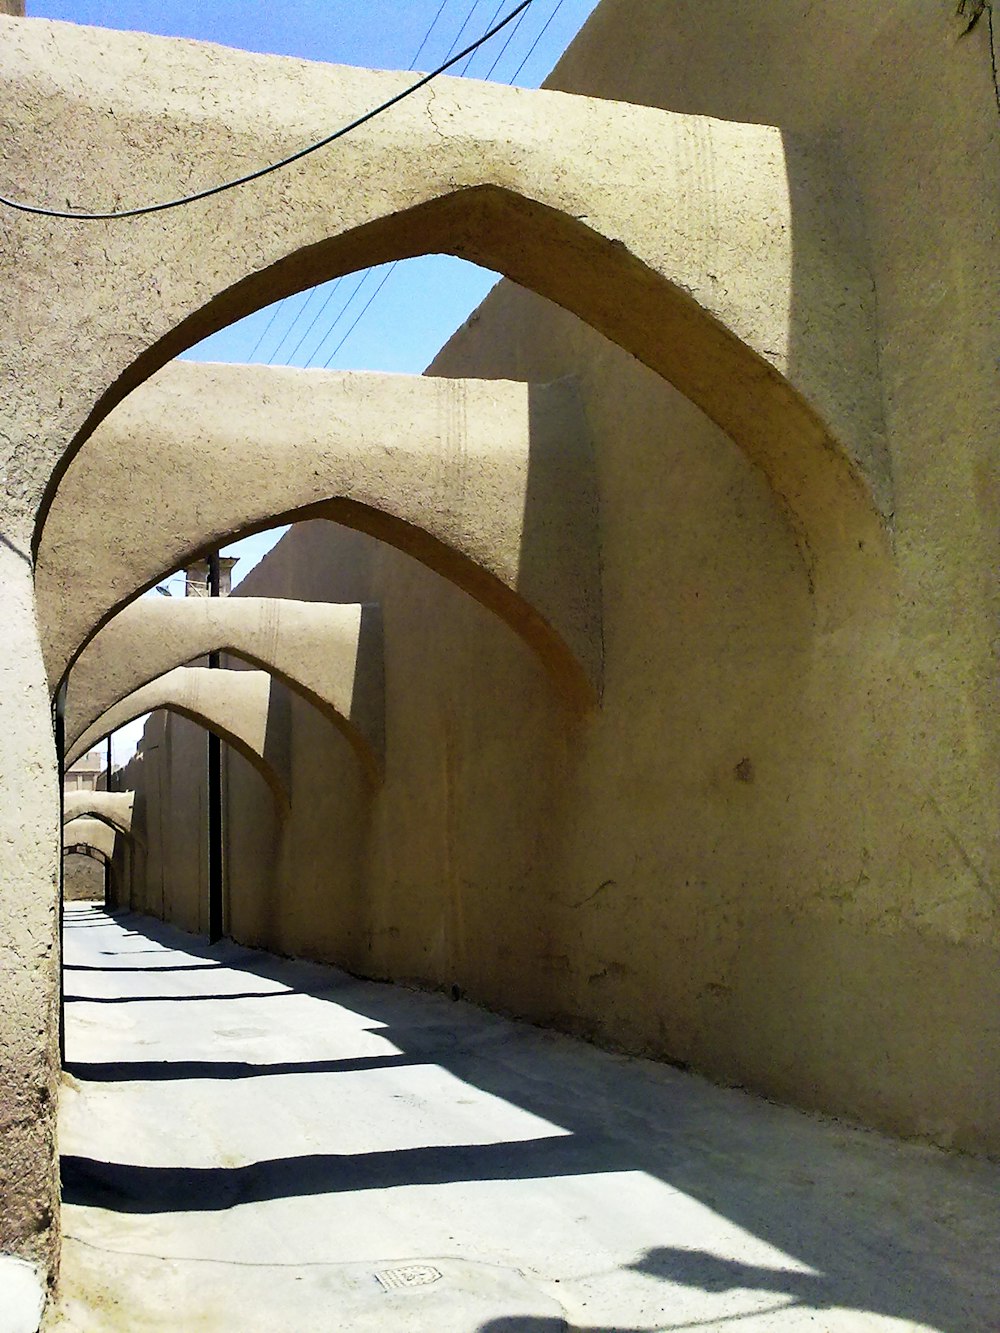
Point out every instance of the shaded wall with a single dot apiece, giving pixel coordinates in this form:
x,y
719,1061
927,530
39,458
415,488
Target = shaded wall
x,y
83,878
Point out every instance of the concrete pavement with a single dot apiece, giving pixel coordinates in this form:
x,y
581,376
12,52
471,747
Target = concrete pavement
x,y
252,1143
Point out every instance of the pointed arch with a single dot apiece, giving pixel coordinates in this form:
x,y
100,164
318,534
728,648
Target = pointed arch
x,y
689,270
331,654
233,704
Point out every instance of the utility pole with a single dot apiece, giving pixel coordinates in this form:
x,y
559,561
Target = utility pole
x,y
214,793
107,860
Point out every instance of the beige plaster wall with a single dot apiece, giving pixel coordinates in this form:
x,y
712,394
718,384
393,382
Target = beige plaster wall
x,y
440,173
83,879
169,816
770,854
713,869
291,876
29,892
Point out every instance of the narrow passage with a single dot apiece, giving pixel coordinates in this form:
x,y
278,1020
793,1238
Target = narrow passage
x,y
253,1143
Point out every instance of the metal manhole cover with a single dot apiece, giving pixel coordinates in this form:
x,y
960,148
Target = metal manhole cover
x,y
407,1277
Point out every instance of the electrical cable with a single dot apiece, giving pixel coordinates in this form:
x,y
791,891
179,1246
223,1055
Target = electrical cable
x,y
295,318
342,312
361,313
427,34
316,318
299,313
527,57
362,277
465,68
274,315
458,37
250,176
541,34
510,38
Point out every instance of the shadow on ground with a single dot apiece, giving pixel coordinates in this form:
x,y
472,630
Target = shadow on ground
x,y
888,1228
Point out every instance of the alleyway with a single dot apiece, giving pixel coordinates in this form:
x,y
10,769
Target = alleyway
x,y
255,1144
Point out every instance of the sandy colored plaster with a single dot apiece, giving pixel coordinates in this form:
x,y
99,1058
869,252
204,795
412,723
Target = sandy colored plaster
x,y
489,482
85,831
332,653
29,878
235,704
113,807
671,234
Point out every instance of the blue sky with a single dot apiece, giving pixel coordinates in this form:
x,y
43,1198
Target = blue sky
x,y
380,320
422,301
390,34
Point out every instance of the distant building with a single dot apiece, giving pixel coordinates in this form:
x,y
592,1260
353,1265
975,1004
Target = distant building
x,y
87,773
196,577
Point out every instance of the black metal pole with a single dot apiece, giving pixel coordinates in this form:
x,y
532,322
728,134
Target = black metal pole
x,y
107,862
214,794
60,738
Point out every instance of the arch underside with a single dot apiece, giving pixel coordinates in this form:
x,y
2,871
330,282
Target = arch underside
x,y
598,279
87,849
112,822
235,705
330,654
688,270
110,807
488,483
92,832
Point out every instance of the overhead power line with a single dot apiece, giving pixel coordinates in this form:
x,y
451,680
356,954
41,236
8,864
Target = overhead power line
x,y
267,327
344,310
362,277
324,341
427,34
211,190
541,34
510,38
315,319
493,18
361,314
301,311
458,37
325,337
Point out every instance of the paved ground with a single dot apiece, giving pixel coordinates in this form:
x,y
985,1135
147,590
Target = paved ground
x,y
256,1144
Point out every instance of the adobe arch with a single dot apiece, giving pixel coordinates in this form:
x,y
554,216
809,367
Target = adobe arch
x,y
86,849
113,808
87,844
488,482
330,653
233,704
690,270
96,835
